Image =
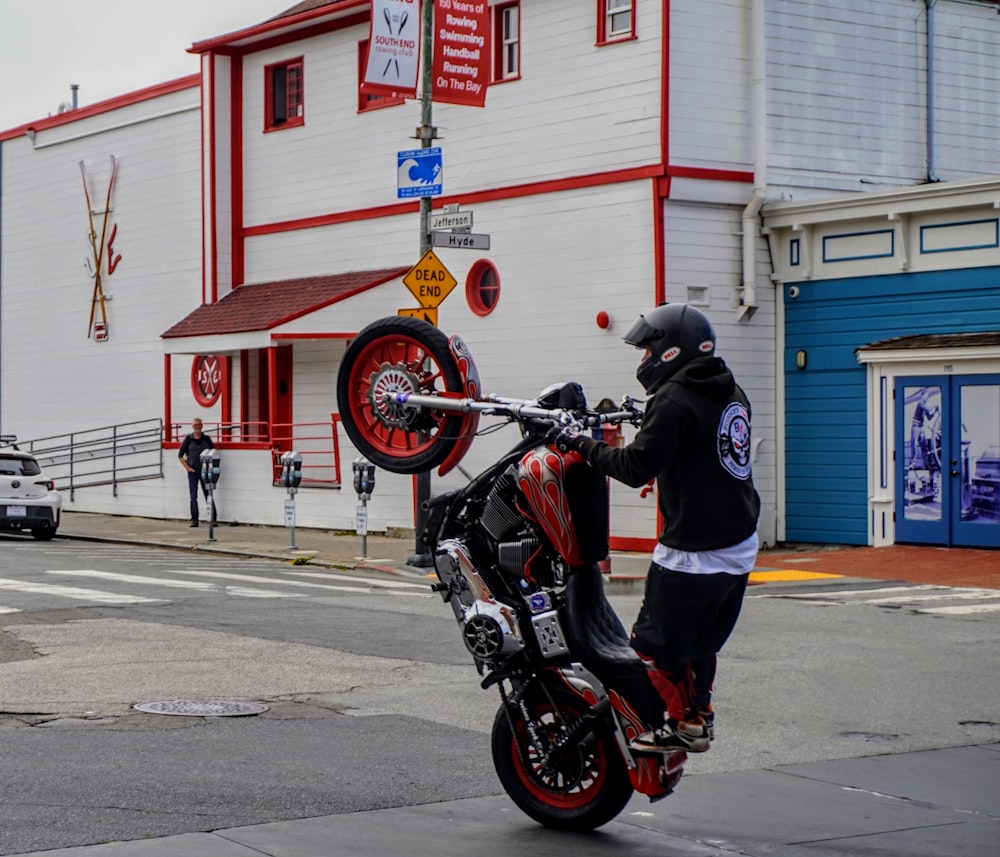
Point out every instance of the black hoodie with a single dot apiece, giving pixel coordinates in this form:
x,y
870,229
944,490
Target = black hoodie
x,y
695,439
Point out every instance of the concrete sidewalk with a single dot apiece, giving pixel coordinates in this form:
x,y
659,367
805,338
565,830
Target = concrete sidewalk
x,y
390,555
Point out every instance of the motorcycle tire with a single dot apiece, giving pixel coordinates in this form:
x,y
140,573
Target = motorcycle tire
x,y
399,354
587,786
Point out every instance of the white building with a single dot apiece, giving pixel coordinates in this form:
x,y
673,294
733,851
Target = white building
x,y
725,153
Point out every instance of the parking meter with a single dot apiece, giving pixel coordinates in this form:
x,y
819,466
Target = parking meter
x,y
210,462
291,478
364,485
291,471
364,478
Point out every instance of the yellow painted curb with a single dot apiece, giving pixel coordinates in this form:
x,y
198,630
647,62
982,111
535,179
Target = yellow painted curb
x,y
788,574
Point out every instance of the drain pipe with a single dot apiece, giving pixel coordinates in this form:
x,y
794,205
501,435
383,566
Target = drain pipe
x,y
931,177
748,294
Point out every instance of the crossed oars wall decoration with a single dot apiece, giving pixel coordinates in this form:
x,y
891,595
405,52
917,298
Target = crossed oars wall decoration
x,y
97,247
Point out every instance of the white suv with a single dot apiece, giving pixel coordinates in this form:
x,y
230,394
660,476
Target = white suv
x,y
28,500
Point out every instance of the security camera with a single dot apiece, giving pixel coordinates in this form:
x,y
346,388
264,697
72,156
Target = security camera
x,y
794,292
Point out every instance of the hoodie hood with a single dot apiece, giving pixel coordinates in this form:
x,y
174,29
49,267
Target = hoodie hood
x,y
707,376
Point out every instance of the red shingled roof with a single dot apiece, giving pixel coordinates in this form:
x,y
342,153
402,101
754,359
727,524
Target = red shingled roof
x,y
262,306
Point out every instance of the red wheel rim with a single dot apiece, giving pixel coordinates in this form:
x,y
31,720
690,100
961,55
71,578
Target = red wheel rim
x,y
395,363
554,787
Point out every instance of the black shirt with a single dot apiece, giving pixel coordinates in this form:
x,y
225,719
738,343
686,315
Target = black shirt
x,y
695,439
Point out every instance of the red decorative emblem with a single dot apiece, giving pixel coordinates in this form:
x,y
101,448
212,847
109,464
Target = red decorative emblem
x,y
206,379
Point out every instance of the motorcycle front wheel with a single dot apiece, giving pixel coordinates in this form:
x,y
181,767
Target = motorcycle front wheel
x,y
397,355
581,788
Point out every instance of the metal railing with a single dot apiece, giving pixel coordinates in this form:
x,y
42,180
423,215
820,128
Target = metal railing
x,y
109,455
317,443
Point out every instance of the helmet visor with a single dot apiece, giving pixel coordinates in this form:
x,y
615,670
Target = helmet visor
x,y
640,332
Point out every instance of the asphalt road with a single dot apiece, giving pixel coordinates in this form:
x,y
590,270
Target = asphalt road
x,y
376,725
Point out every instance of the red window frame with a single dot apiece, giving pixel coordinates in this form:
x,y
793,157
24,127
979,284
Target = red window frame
x,y
502,42
366,100
605,12
284,94
482,287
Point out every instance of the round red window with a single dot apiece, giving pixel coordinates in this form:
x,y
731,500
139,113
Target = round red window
x,y
482,287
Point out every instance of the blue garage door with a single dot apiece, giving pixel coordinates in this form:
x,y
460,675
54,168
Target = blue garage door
x,y
826,401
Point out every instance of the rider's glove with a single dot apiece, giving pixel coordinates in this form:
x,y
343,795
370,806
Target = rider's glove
x,y
565,438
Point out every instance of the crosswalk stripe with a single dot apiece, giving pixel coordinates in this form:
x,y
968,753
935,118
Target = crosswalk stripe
x,y
386,584
9,609
961,609
251,578
73,592
918,597
244,591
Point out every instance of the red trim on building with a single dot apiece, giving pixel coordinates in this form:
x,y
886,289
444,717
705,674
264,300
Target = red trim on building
x,y
665,86
188,82
237,243
661,190
631,543
510,192
213,192
276,24
710,174
201,184
167,411
283,337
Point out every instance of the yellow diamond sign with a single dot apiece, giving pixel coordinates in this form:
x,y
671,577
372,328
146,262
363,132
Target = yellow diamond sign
x,y
429,280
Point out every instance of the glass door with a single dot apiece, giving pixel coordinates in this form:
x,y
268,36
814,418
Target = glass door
x,y
922,432
948,460
974,465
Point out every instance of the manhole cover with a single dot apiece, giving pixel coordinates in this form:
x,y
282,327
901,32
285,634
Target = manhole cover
x,y
201,707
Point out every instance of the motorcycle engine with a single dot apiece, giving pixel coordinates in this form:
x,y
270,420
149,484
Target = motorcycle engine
x,y
489,627
516,544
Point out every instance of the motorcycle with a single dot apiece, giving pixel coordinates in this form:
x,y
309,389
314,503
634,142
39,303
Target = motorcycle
x,y
517,554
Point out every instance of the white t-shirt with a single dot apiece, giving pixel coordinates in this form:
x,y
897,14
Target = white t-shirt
x,y
737,559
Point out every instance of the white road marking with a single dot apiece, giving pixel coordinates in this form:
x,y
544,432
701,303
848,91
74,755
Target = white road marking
x,y
388,584
244,591
73,592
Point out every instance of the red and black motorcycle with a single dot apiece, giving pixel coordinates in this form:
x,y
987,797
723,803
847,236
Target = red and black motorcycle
x,y
517,553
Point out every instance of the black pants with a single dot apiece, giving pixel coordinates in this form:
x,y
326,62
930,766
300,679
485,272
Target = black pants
x,y
685,619
194,480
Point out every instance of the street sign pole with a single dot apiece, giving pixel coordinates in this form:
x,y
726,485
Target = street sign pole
x,y
427,132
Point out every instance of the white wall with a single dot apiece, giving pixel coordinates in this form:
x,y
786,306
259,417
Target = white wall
x,y
54,378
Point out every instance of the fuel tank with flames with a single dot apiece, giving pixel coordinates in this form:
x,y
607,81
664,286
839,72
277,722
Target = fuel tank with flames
x,y
568,500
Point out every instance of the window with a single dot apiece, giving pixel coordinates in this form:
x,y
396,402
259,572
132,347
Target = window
x,y
367,101
283,95
482,287
507,41
615,21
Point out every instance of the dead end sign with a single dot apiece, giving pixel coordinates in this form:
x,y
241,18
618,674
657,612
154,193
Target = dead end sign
x,y
429,280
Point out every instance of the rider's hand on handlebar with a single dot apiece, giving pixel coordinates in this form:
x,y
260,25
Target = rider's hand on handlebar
x,y
565,438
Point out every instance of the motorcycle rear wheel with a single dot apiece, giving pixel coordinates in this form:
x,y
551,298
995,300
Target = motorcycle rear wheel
x,y
399,354
586,787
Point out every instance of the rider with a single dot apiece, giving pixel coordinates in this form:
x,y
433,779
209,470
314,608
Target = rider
x,y
695,440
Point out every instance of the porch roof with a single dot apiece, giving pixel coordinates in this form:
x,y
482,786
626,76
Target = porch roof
x,y
263,306
936,340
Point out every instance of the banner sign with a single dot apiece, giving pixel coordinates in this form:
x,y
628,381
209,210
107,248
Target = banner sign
x,y
393,49
461,51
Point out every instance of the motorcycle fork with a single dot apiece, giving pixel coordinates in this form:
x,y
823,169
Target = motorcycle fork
x,y
580,733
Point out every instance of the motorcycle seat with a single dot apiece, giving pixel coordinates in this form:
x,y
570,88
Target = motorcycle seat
x,y
596,633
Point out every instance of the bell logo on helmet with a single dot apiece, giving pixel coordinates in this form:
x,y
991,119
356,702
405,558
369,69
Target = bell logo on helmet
x,y
707,347
671,354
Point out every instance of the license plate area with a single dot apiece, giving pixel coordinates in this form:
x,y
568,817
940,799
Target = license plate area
x,y
17,511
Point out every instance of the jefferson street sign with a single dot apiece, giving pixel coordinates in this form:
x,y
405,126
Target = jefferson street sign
x,y
451,220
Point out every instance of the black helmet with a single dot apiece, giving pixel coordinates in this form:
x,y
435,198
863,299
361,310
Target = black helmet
x,y
675,335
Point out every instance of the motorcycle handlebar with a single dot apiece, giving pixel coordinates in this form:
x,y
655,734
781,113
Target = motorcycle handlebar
x,y
520,410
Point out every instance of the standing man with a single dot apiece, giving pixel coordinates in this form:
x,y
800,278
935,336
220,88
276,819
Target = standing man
x,y
190,457
695,440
